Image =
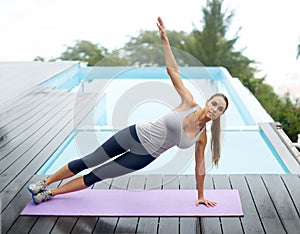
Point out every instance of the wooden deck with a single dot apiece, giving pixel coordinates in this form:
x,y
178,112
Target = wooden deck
x,y
33,128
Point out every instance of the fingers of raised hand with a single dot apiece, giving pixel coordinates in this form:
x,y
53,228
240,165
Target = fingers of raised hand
x,y
160,21
160,24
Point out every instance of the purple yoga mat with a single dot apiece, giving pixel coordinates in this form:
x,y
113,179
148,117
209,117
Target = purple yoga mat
x,y
93,202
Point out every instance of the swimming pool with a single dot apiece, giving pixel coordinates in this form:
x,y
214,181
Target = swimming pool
x,y
127,93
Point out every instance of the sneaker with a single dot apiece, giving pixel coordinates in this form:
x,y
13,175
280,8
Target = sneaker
x,y
41,197
40,186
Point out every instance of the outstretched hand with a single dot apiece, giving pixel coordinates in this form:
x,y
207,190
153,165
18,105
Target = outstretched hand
x,y
161,28
207,203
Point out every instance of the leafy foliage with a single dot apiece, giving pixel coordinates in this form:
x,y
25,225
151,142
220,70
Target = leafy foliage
x,y
39,59
282,110
145,49
212,48
289,116
84,51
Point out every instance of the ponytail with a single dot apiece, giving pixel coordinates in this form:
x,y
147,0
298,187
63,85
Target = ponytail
x,y
215,140
215,143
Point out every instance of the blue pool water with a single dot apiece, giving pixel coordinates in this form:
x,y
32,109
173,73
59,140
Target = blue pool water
x,y
131,95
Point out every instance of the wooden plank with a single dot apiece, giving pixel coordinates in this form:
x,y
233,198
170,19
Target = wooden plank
x,y
41,125
229,224
23,223
150,224
10,196
187,224
65,224
5,127
85,225
8,107
292,183
283,203
44,224
22,117
35,224
109,224
39,142
129,224
88,224
54,108
37,149
250,213
26,121
267,212
23,155
75,224
24,102
210,224
169,224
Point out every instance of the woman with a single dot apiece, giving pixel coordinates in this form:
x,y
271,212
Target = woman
x,y
140,144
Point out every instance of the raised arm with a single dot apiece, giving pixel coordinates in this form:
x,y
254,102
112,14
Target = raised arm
x,y
200,170
172,67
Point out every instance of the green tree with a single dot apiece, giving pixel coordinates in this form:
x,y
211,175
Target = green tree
x,y
116,58
212,48
39,59
282,110
269,99
84,51
145,49
289,117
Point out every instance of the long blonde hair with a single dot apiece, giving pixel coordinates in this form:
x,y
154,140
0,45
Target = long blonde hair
x,y
215,143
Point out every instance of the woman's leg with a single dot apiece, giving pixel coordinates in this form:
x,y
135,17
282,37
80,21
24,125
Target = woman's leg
x,y
72,186
115,145
126,163
61,174
125,143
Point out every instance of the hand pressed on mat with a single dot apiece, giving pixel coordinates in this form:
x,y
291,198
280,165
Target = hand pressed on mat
x,y
207,203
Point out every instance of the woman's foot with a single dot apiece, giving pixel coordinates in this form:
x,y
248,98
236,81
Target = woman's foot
x,y
37,187
41,197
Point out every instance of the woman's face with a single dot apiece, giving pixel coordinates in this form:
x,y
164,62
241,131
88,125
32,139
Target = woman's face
x,y
215,107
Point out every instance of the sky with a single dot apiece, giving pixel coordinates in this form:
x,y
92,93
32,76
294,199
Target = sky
x,y
269,34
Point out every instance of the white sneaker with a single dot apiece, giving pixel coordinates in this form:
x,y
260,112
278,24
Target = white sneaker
x,y
39,186
41,197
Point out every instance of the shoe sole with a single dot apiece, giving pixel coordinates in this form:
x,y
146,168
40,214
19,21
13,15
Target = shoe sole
x,y
32,195
31,191
34,201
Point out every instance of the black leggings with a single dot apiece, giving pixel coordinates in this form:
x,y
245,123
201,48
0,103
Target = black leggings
x,y
125,143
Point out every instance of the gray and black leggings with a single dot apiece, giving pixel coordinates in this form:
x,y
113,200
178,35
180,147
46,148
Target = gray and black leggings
x,y
125,143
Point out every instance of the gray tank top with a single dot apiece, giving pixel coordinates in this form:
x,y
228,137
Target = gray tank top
x,y
162,134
